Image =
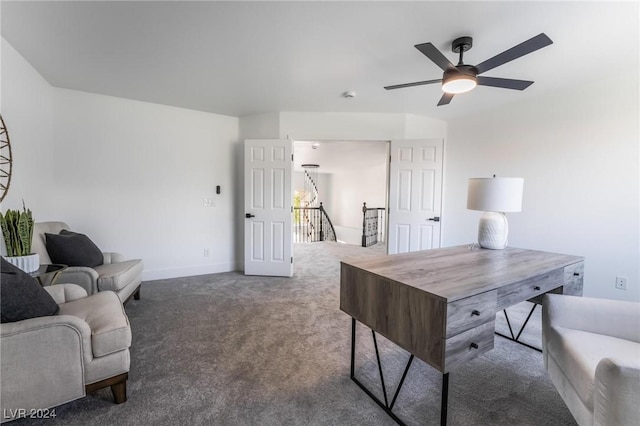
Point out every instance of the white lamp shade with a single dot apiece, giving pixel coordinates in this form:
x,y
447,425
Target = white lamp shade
x,y
498,194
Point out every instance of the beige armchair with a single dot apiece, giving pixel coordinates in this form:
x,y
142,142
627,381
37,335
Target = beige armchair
x,y
591,350
51,360
116,274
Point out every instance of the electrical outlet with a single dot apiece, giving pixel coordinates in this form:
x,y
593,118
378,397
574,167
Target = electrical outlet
x,y
206,252
208,202
621,283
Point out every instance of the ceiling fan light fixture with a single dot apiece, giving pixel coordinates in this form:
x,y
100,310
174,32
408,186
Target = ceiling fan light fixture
x,y
458,83
463,78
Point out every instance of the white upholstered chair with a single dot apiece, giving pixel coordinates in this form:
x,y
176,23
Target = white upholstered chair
x,y
117,274
51,360
591,350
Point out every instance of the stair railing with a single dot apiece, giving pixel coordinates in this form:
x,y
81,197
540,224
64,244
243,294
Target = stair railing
x,y
314,225
373,225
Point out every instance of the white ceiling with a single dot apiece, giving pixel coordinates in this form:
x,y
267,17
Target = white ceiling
x,y
241,58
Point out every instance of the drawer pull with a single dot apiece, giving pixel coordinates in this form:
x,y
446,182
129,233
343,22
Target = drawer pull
x,y
474,345
536,288
475,312
576,274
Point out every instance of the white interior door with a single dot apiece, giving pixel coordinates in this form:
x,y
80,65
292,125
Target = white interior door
x,y
268,237
415,195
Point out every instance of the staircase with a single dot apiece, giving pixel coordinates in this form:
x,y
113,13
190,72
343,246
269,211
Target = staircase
x,y
311,221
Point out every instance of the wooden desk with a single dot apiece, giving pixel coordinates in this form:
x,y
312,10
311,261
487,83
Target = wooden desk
x,y
440,305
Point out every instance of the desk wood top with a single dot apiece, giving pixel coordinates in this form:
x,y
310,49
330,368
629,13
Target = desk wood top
x,y
457,272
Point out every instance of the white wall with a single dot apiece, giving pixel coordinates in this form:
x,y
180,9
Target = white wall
x,y
26,100
323,181
578,152
421,127
351,188
260,126
358,126
133,176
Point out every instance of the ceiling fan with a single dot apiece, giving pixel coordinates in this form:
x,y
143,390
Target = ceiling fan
x,y
462,78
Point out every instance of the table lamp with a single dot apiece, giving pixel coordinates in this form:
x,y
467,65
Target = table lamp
x,y
495,196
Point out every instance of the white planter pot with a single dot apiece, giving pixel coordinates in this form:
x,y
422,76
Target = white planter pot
x,y
29,263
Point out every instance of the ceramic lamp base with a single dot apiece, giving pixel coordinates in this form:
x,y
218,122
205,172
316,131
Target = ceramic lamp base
x,y
493,231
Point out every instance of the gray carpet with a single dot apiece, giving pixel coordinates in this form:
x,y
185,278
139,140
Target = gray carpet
x,y
226,349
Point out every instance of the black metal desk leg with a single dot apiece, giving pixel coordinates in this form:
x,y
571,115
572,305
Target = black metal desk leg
x,y
353,346
525,321
445,395
384,388
516,338
384,405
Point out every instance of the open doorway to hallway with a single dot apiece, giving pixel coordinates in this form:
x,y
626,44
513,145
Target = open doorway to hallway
x,y
334,179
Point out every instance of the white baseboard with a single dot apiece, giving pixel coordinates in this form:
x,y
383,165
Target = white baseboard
x,y
187,271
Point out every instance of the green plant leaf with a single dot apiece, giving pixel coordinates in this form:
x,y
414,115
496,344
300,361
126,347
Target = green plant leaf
x,y
23,233
6,235
17,231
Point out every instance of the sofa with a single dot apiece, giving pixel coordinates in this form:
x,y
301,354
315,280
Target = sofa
x,y
50,360
116,273
591,351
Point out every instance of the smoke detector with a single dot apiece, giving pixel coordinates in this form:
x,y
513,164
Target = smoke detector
x,y
349,95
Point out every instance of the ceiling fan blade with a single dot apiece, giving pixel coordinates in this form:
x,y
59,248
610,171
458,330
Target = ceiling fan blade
x,y
417,83
432,52
445,99
504,83
524,48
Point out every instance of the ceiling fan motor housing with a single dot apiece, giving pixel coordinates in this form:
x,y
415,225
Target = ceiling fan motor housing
x,y
461,69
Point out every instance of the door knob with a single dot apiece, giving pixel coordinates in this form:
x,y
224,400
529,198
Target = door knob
x,y
434,219
249,215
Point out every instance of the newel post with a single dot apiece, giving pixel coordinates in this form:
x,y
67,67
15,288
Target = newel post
x,y
321,220
364,224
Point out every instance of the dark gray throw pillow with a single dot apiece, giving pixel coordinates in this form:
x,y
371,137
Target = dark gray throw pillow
x,y
73,249
21,297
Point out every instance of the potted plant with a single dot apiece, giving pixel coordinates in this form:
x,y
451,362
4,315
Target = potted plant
x,y
17,231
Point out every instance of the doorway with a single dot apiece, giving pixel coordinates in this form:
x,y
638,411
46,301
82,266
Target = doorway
x,y
408,175
343,176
